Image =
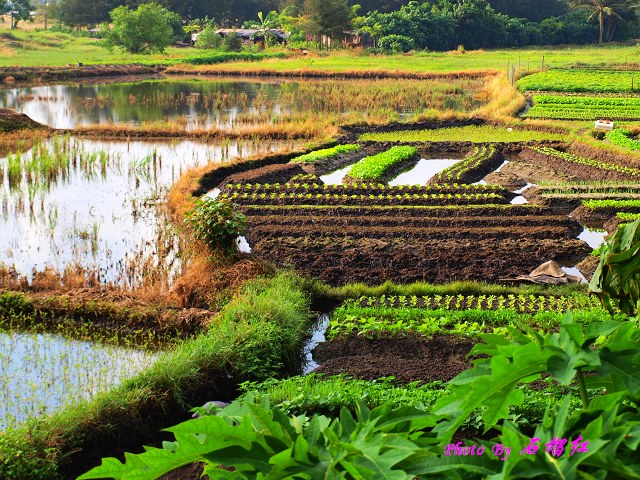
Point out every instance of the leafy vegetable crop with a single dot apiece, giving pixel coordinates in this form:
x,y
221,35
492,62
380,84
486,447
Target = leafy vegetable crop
x,y
581,81
623,138
584,108
376,166
470,133
325,153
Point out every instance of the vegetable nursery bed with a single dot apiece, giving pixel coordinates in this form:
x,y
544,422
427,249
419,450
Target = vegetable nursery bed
x,y
407,359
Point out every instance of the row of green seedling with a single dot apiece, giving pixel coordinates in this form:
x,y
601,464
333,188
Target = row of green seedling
x,y
517,302
376,322
377,187
344,199
612,204
471,168
594,112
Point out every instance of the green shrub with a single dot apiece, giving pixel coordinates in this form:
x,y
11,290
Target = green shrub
x,y
216,223
147,29
208,38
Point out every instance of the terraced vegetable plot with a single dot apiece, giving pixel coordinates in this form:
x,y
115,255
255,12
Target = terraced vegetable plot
x,y
563,107
372,232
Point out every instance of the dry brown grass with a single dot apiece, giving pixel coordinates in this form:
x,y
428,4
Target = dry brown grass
x,y
253,70
287,130
505,101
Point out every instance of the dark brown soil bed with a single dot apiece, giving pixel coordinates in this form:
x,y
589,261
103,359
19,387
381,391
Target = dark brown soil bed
x,y
575,171
591,218
322,167
408,359
278,173
342,260
588,266
604,155
528,172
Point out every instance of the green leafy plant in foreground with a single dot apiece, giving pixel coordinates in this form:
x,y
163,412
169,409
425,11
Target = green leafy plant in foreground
x,y
261,441
217,223
617,278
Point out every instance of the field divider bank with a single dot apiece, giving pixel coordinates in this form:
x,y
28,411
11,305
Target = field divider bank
x,y
259,334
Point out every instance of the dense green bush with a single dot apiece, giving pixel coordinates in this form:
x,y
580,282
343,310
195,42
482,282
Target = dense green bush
x,y
396,43
147,29
211,58
208,38
216,223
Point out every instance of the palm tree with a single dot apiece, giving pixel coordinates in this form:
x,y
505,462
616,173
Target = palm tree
x,y
266,25
602,9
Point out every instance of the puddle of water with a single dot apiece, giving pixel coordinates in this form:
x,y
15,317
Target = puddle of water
x,y
213,193
423,171
526,187
575,272
519,200
41,373
99,205
481,182
593,238
317,336
335,178
243,245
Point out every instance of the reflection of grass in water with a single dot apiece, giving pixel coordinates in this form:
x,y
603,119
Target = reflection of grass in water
x,y
49,163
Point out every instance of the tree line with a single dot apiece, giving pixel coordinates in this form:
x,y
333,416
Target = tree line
x,y
396,25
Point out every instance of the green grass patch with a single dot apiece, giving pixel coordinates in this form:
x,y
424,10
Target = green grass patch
x,y
375,167
325,153
605,81
470,133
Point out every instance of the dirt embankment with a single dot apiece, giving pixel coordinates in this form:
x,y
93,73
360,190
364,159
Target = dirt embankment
x,y
12,121
20,74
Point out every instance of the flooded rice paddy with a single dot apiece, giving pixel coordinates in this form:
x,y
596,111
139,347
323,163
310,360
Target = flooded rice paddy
x,y
40,373
99,205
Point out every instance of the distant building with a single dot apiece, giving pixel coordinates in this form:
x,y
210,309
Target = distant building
x,y
251,36
350,39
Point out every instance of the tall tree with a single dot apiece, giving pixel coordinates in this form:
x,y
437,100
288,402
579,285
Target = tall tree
x,y
601,9
17,10
329,17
